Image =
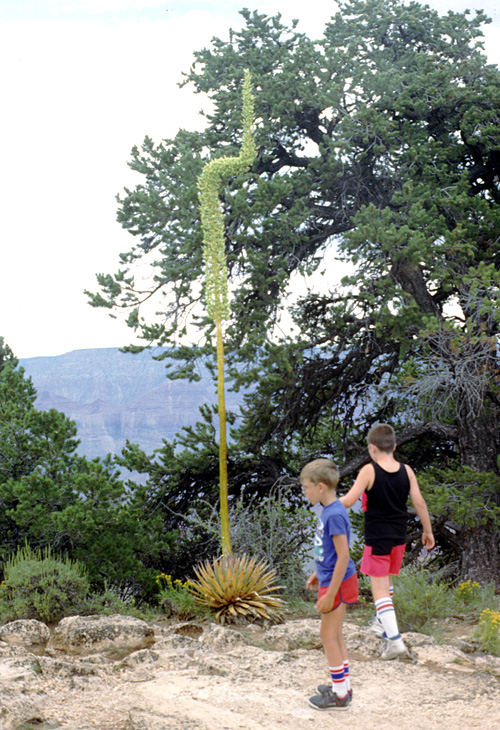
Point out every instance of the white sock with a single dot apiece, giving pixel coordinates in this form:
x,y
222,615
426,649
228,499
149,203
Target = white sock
x,y
339,684
387,615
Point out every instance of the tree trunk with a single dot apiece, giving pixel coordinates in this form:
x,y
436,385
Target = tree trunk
x,y
479,444
480,554
479,441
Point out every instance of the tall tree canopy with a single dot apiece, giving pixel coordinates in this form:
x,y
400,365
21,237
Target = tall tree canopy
x,y
382,139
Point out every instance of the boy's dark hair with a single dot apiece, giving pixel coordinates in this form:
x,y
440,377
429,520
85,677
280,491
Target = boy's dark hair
x,y
383,437
321,470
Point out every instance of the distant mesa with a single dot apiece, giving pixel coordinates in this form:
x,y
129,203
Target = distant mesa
x,y
114,396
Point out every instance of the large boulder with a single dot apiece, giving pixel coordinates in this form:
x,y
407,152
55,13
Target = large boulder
x,y
28,634
116,635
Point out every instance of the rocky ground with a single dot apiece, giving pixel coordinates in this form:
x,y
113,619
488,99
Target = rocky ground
x,y
206,677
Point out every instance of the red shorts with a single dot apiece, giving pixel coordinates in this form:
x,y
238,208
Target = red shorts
x,y
347,593
381,565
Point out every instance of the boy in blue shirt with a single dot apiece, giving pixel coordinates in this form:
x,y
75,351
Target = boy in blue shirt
x,y
335,579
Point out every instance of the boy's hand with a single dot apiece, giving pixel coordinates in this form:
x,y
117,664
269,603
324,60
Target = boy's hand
x,y
324,604
312,582
428,540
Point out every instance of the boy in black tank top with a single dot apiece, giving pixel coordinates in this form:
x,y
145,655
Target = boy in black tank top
x,y
384,487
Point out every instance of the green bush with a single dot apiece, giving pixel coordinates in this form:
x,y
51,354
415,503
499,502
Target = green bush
x,y
39,586
177,599
419,597
488,631
109,601
471,597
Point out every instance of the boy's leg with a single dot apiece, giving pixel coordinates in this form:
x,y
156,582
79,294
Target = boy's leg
x,y
335,648
336,656
384,606
387,616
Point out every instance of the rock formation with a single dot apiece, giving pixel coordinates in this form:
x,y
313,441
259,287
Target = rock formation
x,y
120,673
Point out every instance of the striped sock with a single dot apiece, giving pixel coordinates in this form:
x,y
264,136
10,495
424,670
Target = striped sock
x,y
339,684
387,615
391,591
347,676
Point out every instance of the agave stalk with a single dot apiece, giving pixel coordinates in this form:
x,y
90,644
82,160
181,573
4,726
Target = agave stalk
x,y
214,174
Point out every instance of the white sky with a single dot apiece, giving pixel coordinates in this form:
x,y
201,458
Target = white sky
x,y
82,81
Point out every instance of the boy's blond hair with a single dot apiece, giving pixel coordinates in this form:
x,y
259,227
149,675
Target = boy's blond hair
x,y
321,470
383,437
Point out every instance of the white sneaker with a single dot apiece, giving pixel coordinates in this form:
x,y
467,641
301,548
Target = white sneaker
x,y
377,627
394,649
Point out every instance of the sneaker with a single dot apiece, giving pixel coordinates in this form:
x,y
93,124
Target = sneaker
x,y
377,627
330,701
323,689
394,649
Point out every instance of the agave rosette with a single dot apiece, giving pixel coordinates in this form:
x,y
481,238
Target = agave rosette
x,y
238,586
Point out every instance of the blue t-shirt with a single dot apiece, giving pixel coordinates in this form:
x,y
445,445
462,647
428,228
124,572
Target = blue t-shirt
x,y
333,520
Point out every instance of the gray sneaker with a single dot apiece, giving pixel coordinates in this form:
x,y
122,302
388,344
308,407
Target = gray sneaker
x,y
394,649
323,689
330,701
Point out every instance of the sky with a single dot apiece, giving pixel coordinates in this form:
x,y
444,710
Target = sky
x,y
82,82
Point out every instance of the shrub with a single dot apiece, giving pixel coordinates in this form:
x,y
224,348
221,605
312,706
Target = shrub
x,y
488,631
419,597
468,592
109,601
177,599
472,597
39,586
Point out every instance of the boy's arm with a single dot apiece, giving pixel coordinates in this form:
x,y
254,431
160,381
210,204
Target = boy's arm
x,y
418,502
364,481
312,582
324,604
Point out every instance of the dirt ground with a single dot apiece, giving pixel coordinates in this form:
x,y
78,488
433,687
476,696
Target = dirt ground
x,y
223,682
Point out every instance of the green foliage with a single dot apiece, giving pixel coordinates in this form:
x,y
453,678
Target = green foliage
x,y
275,532
176,599
238,588
420,597
52,497
468,497
472,598
109,601
38,586
488,631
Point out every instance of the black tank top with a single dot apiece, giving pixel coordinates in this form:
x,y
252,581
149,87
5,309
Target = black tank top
x,y
386,515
